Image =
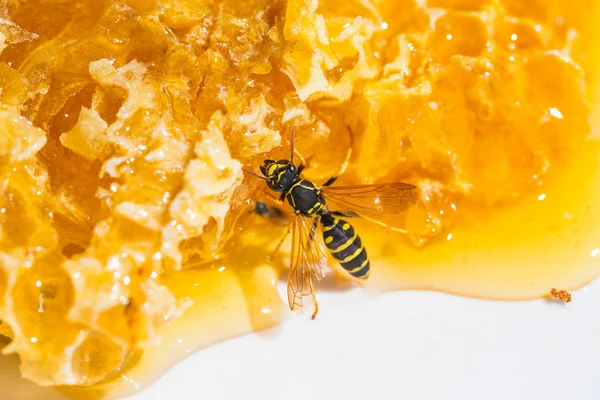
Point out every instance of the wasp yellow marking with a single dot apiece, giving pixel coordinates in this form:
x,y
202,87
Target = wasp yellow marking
x,y
271,169
346,226
329,239
352,256
294,185
345,245
314,208
279,175
289,192
364,264
330,227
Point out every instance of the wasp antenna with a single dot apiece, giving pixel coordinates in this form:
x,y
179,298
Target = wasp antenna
x,y
292,147
294,151
254,174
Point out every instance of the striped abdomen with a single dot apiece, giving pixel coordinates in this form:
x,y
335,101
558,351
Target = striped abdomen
x,y
345,246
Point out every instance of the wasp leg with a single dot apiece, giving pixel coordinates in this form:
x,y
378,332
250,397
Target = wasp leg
x,y
313,230
330,181
345,164
301,168
314,296
346,214
302,160
272,256
311,237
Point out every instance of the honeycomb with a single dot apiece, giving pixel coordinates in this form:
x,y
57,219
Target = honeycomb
x,y
125,126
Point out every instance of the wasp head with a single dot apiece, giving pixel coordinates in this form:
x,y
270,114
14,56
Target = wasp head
x,y
280,174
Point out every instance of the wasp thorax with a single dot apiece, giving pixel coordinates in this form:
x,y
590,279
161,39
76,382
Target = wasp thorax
x,y
280,174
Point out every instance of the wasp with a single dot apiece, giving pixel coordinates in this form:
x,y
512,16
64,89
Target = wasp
x,y
329,205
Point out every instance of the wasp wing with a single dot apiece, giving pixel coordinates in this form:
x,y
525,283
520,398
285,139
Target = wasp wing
x,y
372,202
308,262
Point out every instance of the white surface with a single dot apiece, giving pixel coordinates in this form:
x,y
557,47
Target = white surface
x,y
406,345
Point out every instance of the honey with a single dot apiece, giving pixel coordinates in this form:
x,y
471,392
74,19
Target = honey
x,y
127,239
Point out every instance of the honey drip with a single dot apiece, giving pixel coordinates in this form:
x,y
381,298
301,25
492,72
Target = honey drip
x,y
127,241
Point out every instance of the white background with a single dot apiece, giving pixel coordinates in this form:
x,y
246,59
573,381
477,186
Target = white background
x,y
406,345
402,345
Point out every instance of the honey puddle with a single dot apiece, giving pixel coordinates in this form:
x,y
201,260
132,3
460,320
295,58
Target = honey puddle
x,y
549,240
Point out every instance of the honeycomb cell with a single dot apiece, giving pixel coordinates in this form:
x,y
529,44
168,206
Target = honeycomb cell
x,y
519,35
42,296
458,33
95,356
537,10
459,5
